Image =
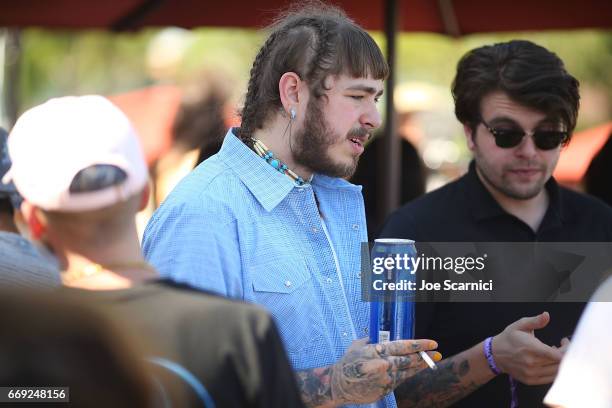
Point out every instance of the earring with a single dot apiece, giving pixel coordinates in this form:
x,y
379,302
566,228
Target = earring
x,y
292,113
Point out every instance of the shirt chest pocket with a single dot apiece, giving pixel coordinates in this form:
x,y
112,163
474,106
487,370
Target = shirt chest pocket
x,y
286,290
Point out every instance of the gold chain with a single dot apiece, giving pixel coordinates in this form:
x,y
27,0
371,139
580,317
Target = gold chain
x,y
94,269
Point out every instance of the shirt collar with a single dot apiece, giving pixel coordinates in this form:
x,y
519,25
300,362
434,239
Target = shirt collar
x,y
555,216
483,205
265,183
269,186
333,183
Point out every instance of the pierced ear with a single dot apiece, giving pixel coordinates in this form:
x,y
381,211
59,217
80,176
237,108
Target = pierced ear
x,y
469,136
289,87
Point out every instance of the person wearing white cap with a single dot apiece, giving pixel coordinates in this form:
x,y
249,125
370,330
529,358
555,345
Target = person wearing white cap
x,y
78,164
22,265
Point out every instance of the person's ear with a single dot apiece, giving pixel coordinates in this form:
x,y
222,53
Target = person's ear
x,y
144,197
469,136
35,220
290,90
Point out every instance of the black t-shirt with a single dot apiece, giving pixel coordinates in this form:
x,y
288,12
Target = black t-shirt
x,y
464,210
232,347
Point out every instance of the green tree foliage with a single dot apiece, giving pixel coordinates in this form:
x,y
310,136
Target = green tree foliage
x,y
77,62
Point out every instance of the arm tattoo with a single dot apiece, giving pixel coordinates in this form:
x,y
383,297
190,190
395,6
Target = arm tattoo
x,y
314,385
364,374
437,388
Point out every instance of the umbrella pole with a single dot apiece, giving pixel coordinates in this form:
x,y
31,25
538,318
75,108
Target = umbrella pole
x,y
388,163
12,58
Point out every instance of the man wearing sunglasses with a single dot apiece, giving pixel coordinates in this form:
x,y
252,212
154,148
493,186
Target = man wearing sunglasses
x,y
518,106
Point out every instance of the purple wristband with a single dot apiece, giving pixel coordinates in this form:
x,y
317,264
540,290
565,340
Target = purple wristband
x,y
488,352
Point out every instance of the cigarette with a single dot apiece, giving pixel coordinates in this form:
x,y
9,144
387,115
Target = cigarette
x,y
428,360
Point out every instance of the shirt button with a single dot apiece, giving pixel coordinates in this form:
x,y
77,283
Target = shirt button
x,y
365,330
329,280
355,226
315,229
359,274
288,283
344,334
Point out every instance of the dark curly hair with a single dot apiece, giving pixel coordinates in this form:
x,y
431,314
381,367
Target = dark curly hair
x,y
528,73
314,41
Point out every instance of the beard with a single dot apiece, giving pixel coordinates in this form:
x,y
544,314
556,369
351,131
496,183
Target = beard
x,y
313,141
506,186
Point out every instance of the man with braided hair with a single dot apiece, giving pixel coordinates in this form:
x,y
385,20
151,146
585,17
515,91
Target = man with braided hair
x,y
270,219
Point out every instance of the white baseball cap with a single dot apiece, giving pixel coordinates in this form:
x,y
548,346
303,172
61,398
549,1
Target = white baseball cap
x,y
51,143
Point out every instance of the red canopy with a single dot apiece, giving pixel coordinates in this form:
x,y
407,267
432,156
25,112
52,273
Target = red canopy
x,y
442,16
454,17
576,157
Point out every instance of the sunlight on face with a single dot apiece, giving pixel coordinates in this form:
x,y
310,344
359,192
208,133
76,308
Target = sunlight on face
x,y
337,125
518,172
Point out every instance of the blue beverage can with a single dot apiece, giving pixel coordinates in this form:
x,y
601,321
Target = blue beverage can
x,y
392,313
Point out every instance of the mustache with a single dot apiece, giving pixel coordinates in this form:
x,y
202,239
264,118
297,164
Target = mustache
x,y
531,165
359,133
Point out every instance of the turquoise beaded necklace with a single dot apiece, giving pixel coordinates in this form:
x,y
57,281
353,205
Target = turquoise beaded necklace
x,y
281,167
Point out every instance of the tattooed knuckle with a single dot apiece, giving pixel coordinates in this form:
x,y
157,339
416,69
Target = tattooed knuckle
x,y
387,364
380,366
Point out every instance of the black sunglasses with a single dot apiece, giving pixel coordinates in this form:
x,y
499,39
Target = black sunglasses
x,y
512,136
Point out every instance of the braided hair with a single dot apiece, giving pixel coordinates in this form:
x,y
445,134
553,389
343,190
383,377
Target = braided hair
x,y
314,41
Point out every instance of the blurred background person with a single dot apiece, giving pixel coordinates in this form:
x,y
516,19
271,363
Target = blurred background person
x,y
197,132
179,127
21,263
413,177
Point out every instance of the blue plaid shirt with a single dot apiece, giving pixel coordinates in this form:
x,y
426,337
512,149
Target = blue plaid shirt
x,y
237,226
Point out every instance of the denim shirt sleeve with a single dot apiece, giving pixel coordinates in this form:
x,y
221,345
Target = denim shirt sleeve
x,y
180,243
